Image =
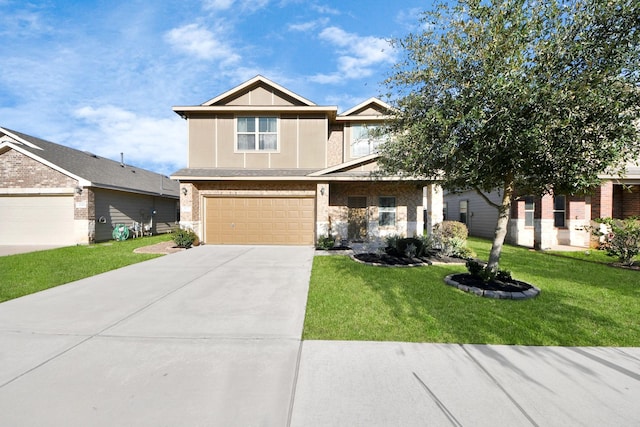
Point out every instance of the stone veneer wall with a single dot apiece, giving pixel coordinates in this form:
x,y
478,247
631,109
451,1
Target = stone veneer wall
x,y
408,207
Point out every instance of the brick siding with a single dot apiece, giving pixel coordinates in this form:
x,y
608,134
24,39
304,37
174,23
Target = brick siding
x,y
20,171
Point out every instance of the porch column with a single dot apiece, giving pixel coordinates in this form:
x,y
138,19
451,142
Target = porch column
x,y
322,210
433,202
602,202
543,233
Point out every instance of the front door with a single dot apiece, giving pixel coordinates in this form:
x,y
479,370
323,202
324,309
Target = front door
x,y
357,218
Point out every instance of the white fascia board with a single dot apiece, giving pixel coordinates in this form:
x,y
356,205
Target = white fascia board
x,y
252,81
349,164
363,104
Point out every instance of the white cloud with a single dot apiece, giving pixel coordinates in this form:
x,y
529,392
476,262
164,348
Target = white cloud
x,y
308,26
409,18
243,5
217,4
201,43
325,9
155,143
357,55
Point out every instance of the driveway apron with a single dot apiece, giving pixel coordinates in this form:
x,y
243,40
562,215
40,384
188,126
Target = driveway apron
x,y
208,336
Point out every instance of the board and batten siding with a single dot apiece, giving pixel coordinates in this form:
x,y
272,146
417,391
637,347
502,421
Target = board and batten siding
x,y
481,218
117,207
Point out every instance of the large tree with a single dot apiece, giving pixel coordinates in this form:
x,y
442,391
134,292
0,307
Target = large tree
x,y
520,96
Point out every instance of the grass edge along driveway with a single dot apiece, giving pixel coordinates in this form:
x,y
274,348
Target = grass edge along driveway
x,y
583,303
27,273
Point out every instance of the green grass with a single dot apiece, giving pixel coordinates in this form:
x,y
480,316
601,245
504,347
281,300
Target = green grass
x,y
583,302
25,274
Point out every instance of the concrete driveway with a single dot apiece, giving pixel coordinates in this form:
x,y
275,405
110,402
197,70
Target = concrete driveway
x,y
209,336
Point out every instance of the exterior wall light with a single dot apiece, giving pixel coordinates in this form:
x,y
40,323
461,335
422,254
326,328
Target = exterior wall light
x,y
184,190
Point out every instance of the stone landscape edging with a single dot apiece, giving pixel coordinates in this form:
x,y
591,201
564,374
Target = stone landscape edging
x,y
529,293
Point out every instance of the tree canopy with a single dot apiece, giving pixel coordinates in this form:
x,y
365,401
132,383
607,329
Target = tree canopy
x,y
522,96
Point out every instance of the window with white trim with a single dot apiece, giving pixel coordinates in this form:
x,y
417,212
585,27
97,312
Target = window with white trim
x,y
364,140
464,206
529,210
559,211
387,212
256,133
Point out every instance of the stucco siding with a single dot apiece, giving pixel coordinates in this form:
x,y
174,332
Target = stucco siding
x,y
313,142
202,141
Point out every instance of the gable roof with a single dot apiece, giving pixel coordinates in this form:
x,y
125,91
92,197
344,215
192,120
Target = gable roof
x,y
250,96
89,169
258,81
372,108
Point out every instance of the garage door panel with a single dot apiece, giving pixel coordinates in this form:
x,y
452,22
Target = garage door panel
x,y
37,220
259,220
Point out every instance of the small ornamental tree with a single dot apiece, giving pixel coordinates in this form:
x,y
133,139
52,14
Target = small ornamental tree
x,y
518,96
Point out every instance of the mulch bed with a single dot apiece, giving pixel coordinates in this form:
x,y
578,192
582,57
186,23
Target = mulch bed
x,y
383,259
493,285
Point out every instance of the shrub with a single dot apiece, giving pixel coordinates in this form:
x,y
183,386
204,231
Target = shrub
x,y
409,247
478,269
326,242
451,238
184,238
623,240
451,229
392,240
427,244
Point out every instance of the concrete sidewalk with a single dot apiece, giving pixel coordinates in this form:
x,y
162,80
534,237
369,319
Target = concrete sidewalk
x,y
379,384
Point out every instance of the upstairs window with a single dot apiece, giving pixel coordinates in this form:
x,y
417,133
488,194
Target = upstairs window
x,y
387,212
364,140
257,134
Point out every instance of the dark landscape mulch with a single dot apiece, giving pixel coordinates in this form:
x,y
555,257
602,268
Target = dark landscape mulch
x,y
390,260
635,266
393,260
493,285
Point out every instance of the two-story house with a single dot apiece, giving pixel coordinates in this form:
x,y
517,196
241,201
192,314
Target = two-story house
x,y
267,166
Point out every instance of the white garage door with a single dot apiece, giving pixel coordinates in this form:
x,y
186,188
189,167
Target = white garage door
x,y
36,220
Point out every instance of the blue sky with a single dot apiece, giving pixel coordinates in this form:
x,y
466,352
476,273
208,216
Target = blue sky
x,y
103,75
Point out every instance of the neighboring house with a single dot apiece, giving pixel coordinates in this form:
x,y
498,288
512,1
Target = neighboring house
x,y
544,222
55,195
267,166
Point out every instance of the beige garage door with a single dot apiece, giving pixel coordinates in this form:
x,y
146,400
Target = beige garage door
x,y
260,220
36,220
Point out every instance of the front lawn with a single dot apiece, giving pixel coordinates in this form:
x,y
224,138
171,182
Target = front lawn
x,y
583,303
25,274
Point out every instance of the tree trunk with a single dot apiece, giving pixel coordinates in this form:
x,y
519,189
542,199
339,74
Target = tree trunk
x,y
504,212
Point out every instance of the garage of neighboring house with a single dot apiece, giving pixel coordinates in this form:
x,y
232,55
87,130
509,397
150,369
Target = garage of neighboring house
x,y
259,220
56,195
37,219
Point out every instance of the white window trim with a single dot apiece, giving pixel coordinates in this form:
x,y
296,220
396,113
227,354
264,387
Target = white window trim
x,y
533,210
370,141
564,211
466,211
256,133
386,209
